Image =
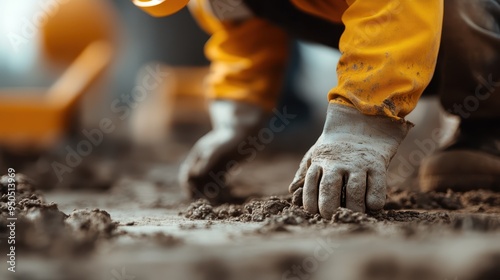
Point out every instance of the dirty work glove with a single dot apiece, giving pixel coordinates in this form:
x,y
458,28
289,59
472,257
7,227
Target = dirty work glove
x,y
203,173
347,165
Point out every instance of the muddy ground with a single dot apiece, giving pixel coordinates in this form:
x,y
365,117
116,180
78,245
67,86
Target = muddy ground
x,y
143,227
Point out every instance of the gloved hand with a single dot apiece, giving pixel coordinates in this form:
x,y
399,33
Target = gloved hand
x,y
347,165
203,172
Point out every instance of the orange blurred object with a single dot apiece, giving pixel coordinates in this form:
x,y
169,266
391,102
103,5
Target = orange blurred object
x,y
77,24
81,36
36,119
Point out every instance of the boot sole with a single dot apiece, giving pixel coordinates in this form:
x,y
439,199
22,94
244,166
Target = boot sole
x,y
460,171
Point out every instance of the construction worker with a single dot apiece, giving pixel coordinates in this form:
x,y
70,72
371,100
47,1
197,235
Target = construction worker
x,y
389,51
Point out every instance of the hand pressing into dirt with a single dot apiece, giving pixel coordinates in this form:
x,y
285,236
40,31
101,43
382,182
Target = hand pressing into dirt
x,y
203,172
347,165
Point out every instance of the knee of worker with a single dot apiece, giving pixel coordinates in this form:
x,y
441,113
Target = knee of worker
x,y
477,14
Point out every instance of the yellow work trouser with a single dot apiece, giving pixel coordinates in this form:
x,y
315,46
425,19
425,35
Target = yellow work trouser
x,y
388,53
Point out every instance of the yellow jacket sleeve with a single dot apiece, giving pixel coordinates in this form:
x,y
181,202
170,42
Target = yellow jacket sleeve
x,y
248,58
388,51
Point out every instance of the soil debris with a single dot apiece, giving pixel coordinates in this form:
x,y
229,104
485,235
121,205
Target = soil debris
x,y
91,224
476,201
42,228
279,213
253,211
413,217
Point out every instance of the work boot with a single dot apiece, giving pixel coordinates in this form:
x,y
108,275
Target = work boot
x,y
468,79
471,161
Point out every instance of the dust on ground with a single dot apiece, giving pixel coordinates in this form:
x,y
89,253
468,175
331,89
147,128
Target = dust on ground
x,y
144,227
278,213
42,228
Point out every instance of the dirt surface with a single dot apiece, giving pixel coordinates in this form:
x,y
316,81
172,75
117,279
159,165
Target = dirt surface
x,y
477,201
279,212
42,228
143,227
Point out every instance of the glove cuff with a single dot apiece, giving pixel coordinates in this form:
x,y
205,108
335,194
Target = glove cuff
x,y
348,121
235,114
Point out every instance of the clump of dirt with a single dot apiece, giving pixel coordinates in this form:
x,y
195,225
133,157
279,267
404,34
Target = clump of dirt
x,y
290,216
253,211
482,201
476,201
297,216
24,188
411,211
42,228
275,208
277,213
280,213
200,210
91,224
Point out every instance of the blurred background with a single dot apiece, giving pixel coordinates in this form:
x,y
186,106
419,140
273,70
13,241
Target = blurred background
x,y
77,97
99,104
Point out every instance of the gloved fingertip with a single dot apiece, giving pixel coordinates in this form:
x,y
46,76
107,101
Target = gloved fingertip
x,y
326,213
183,176
296,184
198,167
297,197
376,191
375,203
311,185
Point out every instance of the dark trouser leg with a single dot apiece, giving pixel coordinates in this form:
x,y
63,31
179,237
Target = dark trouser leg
x,y
296,22
468,81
